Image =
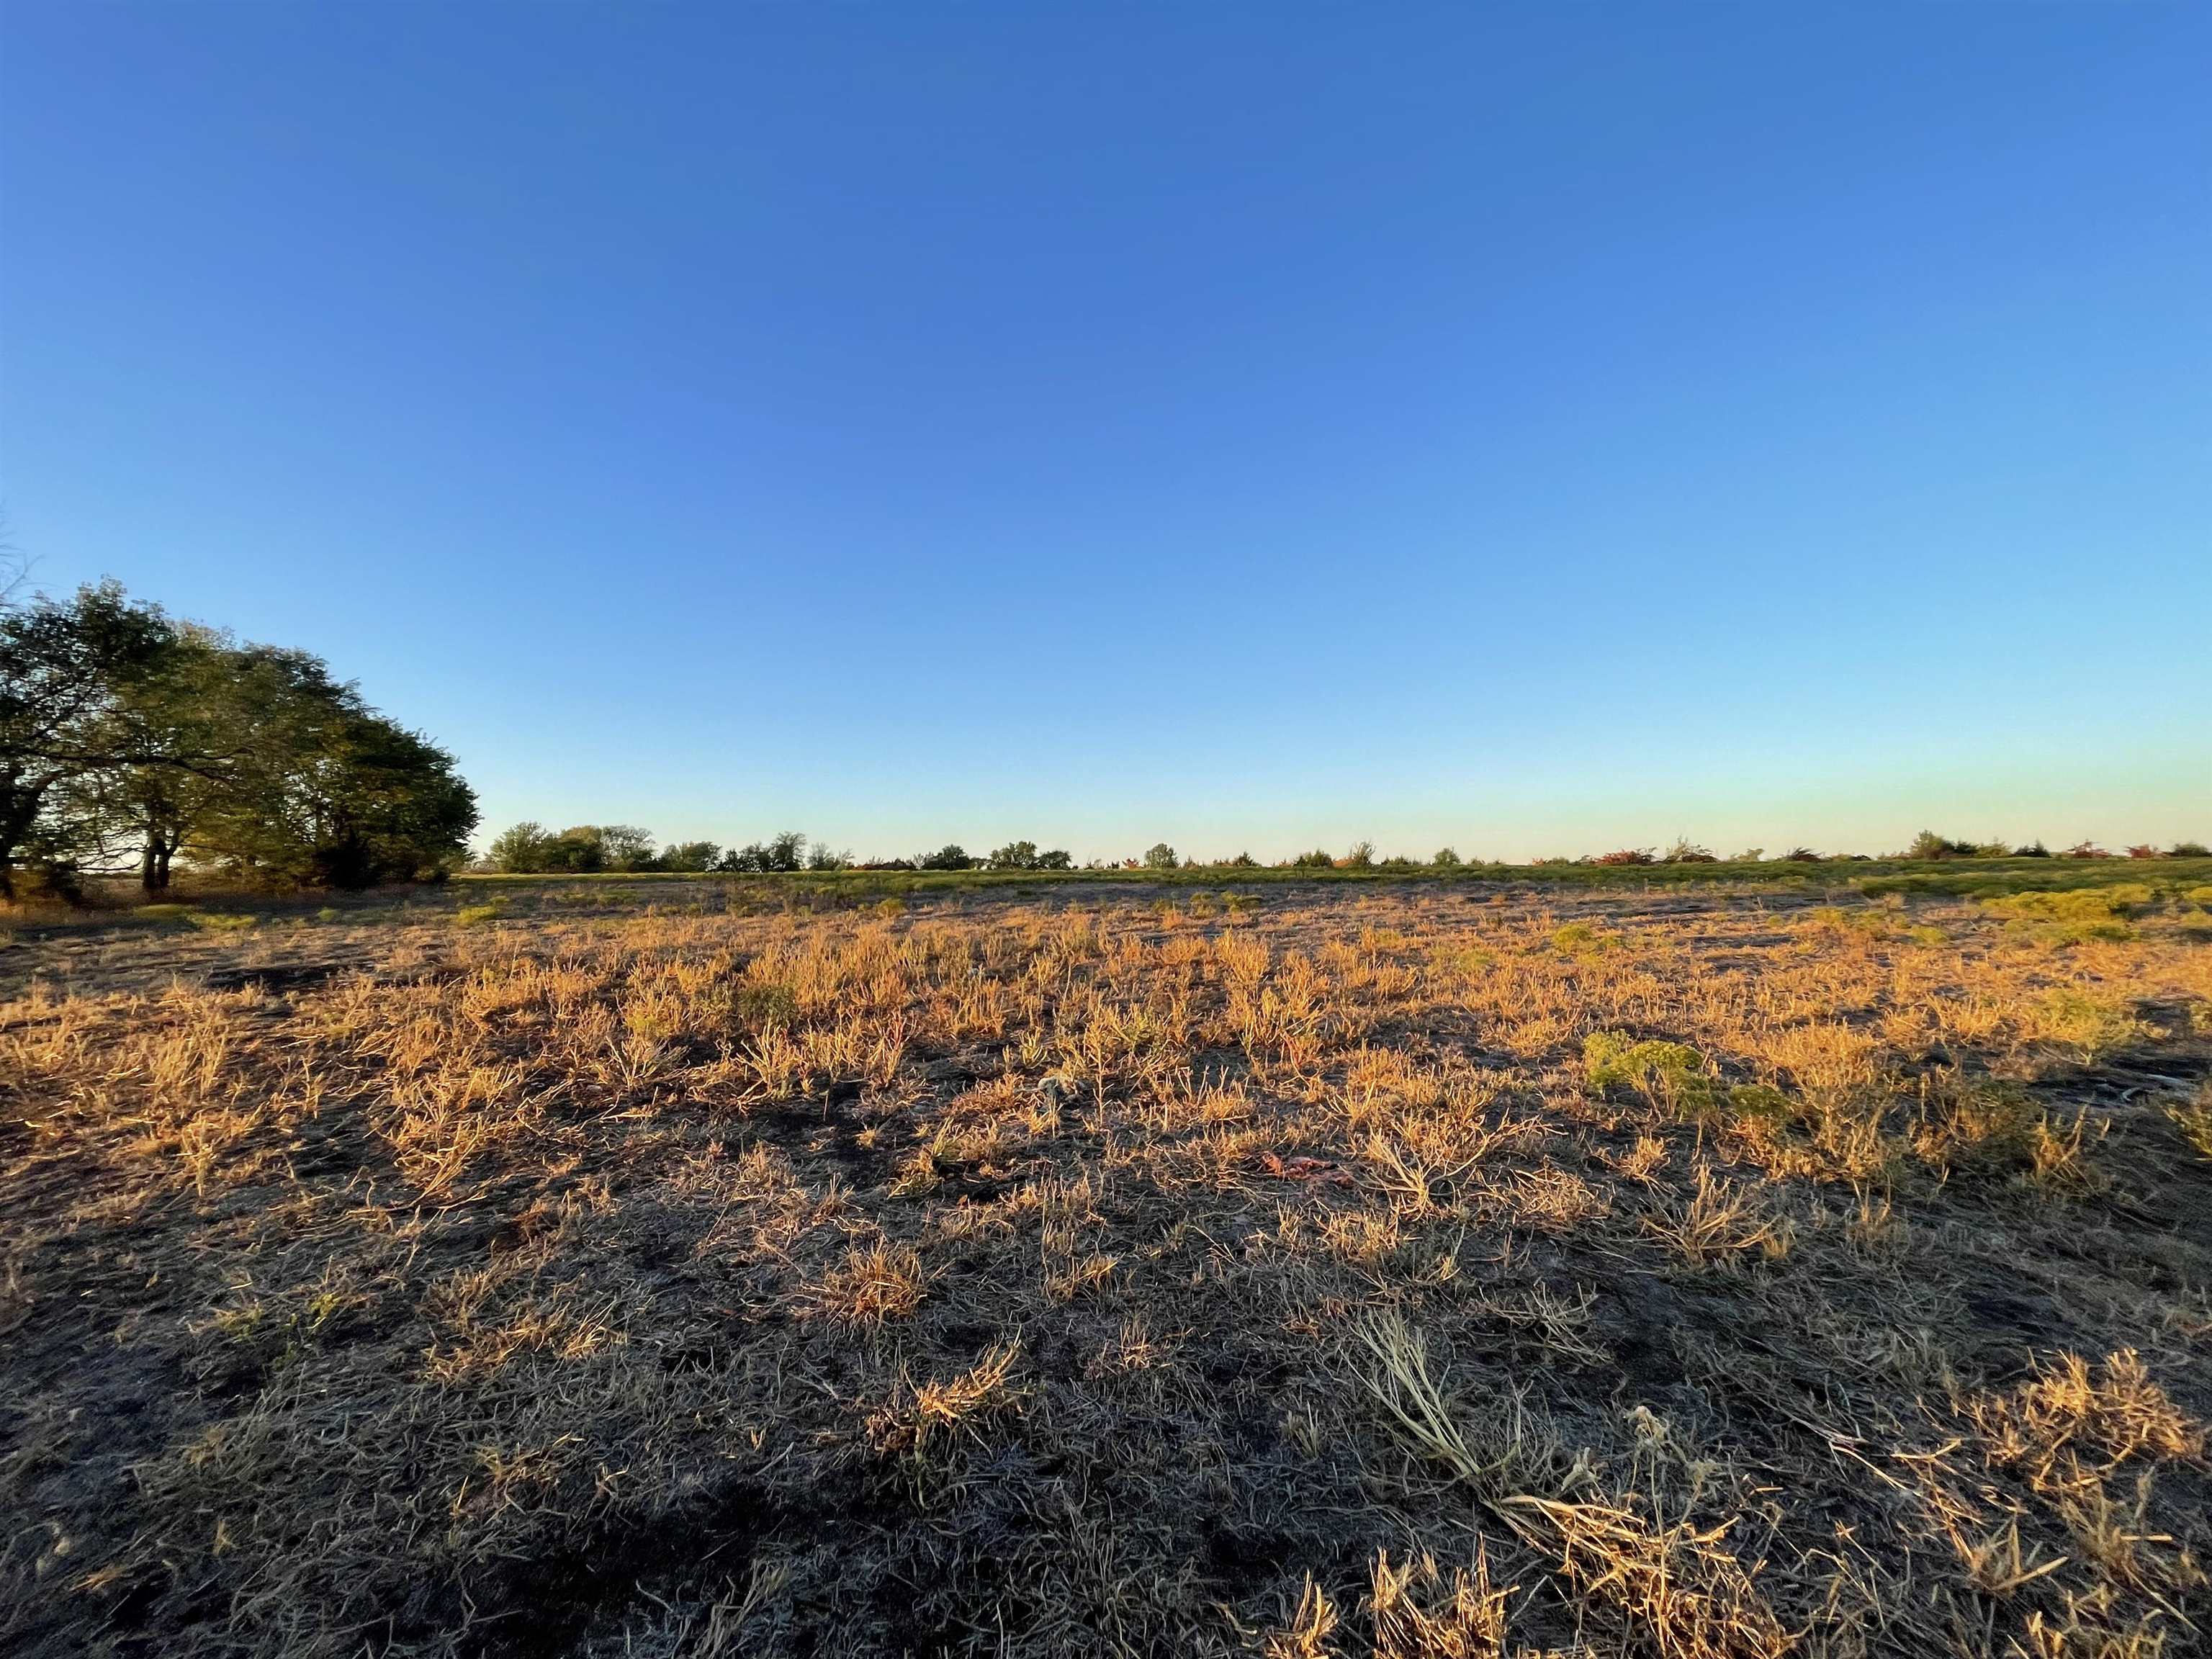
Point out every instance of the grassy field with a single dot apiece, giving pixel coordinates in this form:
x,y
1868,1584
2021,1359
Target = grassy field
x,y
1690,1264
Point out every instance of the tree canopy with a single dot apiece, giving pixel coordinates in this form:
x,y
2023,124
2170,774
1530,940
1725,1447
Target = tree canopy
x,y
127,734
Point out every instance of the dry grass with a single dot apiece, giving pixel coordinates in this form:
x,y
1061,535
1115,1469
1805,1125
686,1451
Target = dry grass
x,y
1422,1272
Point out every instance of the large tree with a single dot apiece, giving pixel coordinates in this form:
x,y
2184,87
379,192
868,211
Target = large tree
x,y
66,665
333,793
122,729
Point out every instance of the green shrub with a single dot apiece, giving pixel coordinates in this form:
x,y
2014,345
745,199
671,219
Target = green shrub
x,y
2072,915
1580,939
2093,1024
221,921
1762,1101
1669,1074
477,915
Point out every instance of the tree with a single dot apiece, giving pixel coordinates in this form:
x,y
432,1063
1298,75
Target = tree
x,y
1014,855
120,727
190,727
64,666
1446,858
626,847
580,849
691,857
521,850
1930,845
827,857
1159,856
335,794
950,856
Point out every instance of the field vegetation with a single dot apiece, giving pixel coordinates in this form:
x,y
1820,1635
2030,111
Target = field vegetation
x,y
1284,1262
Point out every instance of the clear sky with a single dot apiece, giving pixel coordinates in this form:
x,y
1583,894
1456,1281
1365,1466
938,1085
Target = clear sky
x,y
1537,427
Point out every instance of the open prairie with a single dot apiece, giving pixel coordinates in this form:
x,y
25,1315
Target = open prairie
x,y
1431,1270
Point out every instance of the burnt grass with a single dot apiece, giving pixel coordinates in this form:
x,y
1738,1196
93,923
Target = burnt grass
x,y
990,1274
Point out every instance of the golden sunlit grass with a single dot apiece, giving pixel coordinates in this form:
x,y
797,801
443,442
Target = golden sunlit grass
x,y
1424,1272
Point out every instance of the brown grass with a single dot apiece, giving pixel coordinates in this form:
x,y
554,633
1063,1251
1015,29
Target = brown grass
x,y
1412,1273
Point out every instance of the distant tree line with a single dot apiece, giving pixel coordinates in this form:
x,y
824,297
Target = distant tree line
x,y
131,739
531,849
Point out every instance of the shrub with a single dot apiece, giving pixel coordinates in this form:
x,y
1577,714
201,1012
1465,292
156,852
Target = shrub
x,y
1627,856
1242,861
2073,915
475,915
1671,1074
2091,1023
1579,939
1803,855
1361,857
950,856
2189,849
1446,858
2086,849
1688,852
1930,845
1315,859
1159,856
2142,850
2034,849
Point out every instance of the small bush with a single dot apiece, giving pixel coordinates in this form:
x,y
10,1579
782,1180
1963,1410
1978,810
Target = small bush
x,y
1580,939
2072,915
1627,856
221,921
2089,1023
1669,1074
477,915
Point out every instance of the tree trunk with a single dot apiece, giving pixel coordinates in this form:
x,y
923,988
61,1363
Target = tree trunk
x,y
154,863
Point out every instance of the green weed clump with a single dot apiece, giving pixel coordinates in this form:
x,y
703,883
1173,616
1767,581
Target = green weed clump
x,y
2072,915
220,922
478,916
1669,1074
1579,939
2090,1023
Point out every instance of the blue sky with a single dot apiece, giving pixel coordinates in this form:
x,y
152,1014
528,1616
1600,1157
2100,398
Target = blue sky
x,y
1538,428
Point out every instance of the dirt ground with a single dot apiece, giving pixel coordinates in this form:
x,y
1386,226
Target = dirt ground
x,y
1397,1270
